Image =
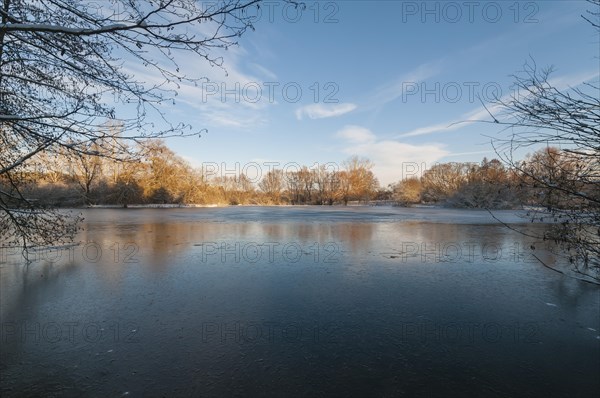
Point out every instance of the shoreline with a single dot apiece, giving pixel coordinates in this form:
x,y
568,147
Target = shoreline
x,y
191,205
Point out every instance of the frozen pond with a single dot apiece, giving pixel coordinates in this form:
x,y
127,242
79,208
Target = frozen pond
x,y
297,301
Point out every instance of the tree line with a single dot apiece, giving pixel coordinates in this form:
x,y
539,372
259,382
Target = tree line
x,y
157,175
542,179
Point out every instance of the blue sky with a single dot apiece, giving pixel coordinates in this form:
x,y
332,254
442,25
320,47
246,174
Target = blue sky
x,y
371,62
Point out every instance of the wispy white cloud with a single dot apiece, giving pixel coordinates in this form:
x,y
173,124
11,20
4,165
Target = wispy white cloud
x,y
356,135
322,111
393,90
454,154
261,70
380,96
391,158
433,128
222,97
574,80
482,113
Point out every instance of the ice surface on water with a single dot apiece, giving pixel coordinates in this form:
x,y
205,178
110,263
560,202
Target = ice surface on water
x,y
381,319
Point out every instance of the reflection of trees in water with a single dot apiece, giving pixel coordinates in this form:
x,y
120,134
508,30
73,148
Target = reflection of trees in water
x,y
573,293
356,237
457,242
340,233
160,243
22,288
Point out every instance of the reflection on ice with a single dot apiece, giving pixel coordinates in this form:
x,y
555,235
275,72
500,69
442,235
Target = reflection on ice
x,y
351,301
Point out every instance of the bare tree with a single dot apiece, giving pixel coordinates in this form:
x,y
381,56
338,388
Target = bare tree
x,y
62,76
86,167
307,181
325,180
51,167
408,191
358,181
487,185
343,186
272,184
539,113
442,180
